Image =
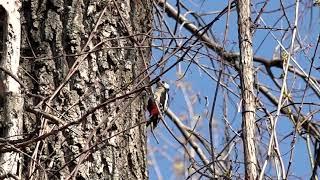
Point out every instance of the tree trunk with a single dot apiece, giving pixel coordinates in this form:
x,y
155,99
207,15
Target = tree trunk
x,y
11,101
80,62
247,88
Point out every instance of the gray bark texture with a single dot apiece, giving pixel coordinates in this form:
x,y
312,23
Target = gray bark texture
x,y
247,88
79,59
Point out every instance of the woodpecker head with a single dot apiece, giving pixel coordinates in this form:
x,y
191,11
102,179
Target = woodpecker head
x,y
164,85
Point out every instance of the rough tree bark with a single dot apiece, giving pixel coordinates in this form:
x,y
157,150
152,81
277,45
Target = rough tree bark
x,y
11,101
247,88
76,55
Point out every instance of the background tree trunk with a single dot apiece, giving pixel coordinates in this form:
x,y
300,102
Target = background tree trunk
x,y
105,143
247,88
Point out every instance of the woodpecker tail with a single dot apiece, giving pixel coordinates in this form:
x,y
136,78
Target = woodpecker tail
x,y
154,120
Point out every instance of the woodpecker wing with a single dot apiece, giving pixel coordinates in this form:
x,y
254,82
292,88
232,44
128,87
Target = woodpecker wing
x,y
158,95
164,99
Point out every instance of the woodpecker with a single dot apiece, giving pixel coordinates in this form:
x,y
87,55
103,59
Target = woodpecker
x,y
161,96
